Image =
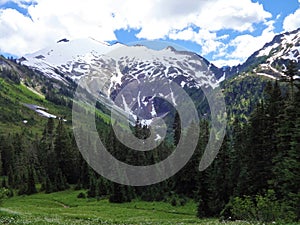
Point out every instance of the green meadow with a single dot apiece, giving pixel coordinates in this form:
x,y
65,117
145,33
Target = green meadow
x,y
65,208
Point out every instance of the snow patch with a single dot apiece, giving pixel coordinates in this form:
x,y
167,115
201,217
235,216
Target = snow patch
x,y
266,75
45,114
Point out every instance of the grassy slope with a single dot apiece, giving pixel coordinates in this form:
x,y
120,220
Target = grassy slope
x,y
13,112
66,208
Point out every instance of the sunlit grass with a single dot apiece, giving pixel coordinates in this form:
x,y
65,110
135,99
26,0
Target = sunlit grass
x,y
66,208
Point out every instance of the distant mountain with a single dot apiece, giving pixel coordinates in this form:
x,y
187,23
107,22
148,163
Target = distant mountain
x,y
67,61
65,58
73,58
272,59
120,65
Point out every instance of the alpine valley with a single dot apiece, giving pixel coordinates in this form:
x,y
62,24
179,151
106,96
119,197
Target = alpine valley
x,y
254,178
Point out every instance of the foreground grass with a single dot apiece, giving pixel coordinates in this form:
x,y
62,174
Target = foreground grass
x,y
66,208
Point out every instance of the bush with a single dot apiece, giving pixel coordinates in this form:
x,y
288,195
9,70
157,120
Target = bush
x,y
174,202
263,208
243,209
183,201
3,194
81,195
268,208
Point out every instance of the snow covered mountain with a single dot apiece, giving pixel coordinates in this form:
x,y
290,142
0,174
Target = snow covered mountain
x,y
73,58
118,65
65,58
272,59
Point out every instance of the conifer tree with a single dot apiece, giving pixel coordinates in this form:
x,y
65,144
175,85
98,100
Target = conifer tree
x,y
31,189
176,128
64,153
118,194
219,180
92,187
202,196
291,73
48,186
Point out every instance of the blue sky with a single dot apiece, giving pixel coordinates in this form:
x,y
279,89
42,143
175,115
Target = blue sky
x,y
225,32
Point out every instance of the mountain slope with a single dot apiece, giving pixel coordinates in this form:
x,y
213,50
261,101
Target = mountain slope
x,y
272,59
22,103
119,65
65,58
73,58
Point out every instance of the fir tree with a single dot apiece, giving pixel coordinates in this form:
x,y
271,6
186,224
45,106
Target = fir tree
x,y
118,194
31,189
291,73
176,128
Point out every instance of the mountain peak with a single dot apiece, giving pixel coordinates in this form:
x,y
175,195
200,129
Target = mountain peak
x,y
171,48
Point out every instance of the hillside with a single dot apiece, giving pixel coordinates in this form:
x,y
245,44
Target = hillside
x,y
18,87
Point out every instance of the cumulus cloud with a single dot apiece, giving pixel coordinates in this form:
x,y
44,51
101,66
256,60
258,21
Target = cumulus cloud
x,y
226,62
231,14
211,15
244,46
50,21
18,33
190,20
292,21
209,41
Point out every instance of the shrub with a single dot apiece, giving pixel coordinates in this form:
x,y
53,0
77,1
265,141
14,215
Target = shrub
x,y
3,194
263,208
268,208
183,201
174,202
81,195
243,209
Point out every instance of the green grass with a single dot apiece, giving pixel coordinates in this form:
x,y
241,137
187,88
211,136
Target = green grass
x,y
13,111
66,208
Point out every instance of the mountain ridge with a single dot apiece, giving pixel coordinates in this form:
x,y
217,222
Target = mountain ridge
x,y
272,58
67,54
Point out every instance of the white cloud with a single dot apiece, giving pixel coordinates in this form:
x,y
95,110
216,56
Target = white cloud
x,y
156,19
2,2
292,21
231,14
49,22
206,39
210,15
18,34
244,46
225,62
